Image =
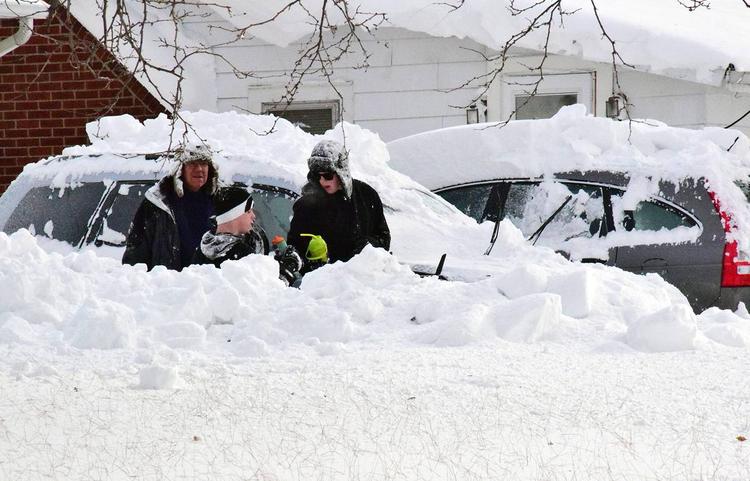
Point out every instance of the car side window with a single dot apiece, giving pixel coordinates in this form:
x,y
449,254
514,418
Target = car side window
x,y
117,218
648,215
58,213
573,210
470,199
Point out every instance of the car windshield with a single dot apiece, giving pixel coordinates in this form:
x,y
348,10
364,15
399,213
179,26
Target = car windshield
x,y
272,206
120,213
62,214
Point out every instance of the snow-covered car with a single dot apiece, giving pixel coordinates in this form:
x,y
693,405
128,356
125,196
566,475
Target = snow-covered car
x,y
87,197
96,205
651,199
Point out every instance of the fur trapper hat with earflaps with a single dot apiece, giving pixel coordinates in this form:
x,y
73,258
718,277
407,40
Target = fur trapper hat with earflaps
x,y
330,156
200,153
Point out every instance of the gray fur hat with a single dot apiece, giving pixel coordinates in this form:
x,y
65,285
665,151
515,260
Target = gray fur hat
x,y
200,153
330,156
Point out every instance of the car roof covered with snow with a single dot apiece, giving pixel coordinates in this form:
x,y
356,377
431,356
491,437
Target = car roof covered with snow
x,y
643,151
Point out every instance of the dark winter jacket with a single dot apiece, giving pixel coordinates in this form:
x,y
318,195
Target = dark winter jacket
x,y
217,248
154,238
346,223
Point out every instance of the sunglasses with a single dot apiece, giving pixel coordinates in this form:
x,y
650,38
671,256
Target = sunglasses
x,y
327,175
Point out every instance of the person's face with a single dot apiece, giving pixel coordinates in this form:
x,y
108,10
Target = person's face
x,y
245,221
195,175
332,185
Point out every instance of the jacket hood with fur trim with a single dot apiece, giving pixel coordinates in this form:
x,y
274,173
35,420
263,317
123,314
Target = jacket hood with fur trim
x,y
330,156
200,154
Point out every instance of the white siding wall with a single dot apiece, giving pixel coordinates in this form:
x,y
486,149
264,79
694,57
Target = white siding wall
x,y
676,102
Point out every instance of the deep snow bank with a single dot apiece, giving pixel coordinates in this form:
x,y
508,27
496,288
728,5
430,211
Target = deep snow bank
x,y
80,302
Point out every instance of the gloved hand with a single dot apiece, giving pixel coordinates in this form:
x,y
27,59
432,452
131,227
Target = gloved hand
x,y
290,263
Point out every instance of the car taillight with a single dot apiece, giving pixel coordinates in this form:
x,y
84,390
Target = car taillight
x,y
735,270
735,266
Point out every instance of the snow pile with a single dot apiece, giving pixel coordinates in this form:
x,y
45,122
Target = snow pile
x,y
80,301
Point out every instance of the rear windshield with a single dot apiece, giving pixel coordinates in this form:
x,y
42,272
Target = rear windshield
x,y
61,214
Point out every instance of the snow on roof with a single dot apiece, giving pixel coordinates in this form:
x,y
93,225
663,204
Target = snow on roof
x,y
664,39
266,142
23,8
571,140
658,37
198,85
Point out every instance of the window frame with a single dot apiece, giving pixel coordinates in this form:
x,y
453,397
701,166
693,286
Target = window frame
x,y
334,105
579,83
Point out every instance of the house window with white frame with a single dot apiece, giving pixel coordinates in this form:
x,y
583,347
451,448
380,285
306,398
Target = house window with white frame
x,y
313,117
553,92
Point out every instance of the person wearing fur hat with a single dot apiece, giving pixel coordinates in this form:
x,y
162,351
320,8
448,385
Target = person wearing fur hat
x,y
174,215
347,213
233,235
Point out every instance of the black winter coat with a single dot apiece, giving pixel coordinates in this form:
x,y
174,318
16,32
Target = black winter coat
x,y
346,224
154,238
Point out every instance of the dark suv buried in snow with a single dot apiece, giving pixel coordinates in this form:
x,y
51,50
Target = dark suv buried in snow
x,y
681,232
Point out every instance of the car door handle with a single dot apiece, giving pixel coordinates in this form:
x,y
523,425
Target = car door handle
x,y
654,262
656,265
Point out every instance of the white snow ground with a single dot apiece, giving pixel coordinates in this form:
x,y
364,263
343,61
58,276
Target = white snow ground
x,y
548,370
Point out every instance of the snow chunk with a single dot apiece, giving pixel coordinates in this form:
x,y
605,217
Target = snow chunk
x,y
529,318
577,290
523,280
670,329
157,377
101,324
15,329
726,327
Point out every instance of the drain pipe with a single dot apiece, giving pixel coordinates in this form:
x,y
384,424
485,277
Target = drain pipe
x,y
22,35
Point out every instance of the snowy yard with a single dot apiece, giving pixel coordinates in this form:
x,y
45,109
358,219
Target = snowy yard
x,y
369,372
547,370
492,411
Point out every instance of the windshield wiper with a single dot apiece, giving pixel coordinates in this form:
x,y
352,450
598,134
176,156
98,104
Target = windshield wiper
x,y
538,233
495,210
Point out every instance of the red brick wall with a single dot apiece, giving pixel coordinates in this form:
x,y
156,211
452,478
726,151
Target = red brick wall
x,y
53,85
